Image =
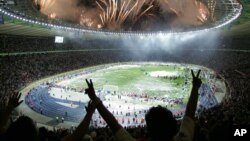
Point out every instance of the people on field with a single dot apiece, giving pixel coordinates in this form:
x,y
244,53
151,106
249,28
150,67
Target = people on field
x,y
161,125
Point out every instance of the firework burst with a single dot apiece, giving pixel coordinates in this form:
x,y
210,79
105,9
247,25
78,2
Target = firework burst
x,y
188,12
87,18
139,9
175,6
134,15
116,12
52,15
45,4
211,7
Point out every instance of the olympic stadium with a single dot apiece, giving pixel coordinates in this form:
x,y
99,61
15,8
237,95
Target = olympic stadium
x,y
139,54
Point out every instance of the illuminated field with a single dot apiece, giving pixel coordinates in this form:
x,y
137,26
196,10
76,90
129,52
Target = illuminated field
x,y
132,78
127,88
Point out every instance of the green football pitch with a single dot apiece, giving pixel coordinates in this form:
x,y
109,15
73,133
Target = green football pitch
x,y
165,80
129,86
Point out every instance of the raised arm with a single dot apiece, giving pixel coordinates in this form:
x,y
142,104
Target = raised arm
x,y
105,113
193,99
82,129
13,102
186,131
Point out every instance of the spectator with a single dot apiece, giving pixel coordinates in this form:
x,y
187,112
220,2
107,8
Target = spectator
x,y
25,129
154,121
82,128
13,102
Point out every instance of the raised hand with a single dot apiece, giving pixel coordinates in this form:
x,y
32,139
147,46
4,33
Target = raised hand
x,y
83,127
104,112
90,90
196,80
91,107
14,100
193,99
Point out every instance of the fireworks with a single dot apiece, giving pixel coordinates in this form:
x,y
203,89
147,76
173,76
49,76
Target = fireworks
x,y
45,4
138,10
115,12
203,12
117,15
211,7
52,15
85,20
113,15
175,6
188,12
89,17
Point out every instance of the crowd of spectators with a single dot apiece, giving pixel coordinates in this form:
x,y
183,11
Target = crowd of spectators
x,y
14,44
19,70
17,44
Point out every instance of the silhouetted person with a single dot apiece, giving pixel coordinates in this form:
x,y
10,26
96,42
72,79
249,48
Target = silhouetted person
x,y
161,124
24,128
160,121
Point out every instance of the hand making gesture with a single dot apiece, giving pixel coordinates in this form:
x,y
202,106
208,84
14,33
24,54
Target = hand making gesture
x,y
91,107
196,80
193,99
14,101
82,128
90,90
104,112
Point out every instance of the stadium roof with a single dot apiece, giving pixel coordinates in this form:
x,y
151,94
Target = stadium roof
x,y
240,27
